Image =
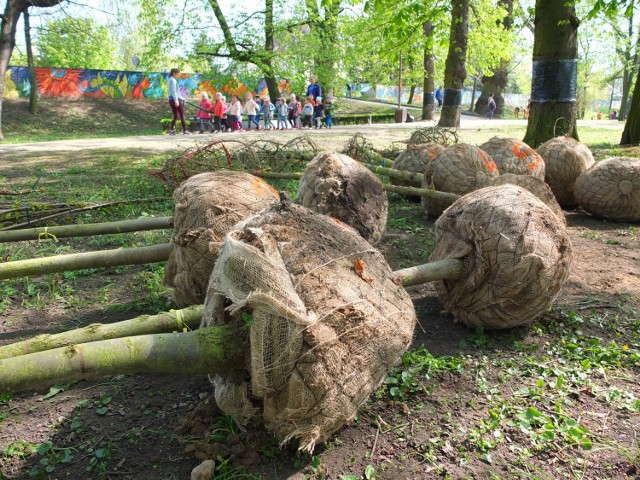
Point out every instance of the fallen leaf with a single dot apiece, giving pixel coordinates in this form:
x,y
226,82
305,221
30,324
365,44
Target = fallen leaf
x,y
359,267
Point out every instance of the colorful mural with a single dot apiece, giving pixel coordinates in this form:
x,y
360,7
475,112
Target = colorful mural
x,y
78,83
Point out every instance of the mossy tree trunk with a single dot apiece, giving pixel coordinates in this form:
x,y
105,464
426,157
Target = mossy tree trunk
x,y
553,110
631,132
429,84
497,82
455,71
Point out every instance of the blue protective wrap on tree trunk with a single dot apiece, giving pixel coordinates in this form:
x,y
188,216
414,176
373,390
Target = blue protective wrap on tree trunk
x,y
554,81
452,97
429,98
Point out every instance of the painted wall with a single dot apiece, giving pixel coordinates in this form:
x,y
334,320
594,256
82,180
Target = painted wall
x,y
79,83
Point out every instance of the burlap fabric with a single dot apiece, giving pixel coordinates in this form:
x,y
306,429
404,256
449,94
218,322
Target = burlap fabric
x,y
536,186
459,169
514,156
611,189
517,255
322,336
565,160
207,206
335,184
415,159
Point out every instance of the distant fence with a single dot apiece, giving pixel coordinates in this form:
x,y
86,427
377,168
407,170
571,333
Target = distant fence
x,y
81,83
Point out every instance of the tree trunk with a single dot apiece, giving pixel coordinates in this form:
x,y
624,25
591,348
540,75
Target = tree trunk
x,y
205,351
165,322
429,85
326,28
630,67
412,92
631,132
473,93
496,83
455,71
80,261
8,23
86,229
553,108
33,79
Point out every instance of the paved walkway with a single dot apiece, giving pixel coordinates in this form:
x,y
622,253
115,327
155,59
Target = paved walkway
x,y
163,143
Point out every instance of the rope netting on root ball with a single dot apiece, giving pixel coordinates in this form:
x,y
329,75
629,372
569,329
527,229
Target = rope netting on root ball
x,y
517,254
415,158
260,153
359,147
565,160
208,205
335,184
459,169
326,322
536,186
443,136
514,156
611,189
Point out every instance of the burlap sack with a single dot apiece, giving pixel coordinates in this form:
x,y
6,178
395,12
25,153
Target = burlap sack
x,y
536,186
565,159
459,169
327,321
336,185
415,159
207,206
514,156
517,254
611,189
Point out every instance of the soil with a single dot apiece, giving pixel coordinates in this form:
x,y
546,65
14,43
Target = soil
x,y
140,427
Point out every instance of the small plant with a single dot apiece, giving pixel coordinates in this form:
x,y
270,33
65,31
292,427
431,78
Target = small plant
x,y
222,428
51,457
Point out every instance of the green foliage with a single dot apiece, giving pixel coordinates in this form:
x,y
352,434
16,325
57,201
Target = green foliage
x,y
75,42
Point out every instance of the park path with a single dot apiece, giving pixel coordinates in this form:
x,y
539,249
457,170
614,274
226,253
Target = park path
x,y
165,143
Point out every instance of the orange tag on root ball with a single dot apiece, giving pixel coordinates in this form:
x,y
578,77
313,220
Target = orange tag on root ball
x,y
359,267
488,162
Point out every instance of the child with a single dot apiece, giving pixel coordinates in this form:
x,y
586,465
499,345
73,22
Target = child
x,y
251,107
235,113
307,112
294,112
267,113
225,116
205,115
328,111
218,112
516,112
281,110
318,111
259,104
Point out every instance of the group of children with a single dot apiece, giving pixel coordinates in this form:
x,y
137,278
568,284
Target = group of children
x,y
227,117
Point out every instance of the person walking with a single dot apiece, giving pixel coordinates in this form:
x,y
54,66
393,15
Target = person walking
x,y
439,96
251,108
314,89
267,113
235,114
204,114
328,111
218,112
176,102
307,113
491,106
294,111
318,111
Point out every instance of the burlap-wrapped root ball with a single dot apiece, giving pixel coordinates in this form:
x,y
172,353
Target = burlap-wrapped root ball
x,y
565,160
611,189
208,205
517,255
514,156
415,158
327,322
336,185
459,169
536,186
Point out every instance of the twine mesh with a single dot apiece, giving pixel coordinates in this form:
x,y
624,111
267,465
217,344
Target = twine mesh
x,y
415,158
208,205
565,159
611,189
536,186
459,169
322,336
514,156
440,135
337,185
517,254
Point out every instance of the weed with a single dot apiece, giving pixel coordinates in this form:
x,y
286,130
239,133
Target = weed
x,y
225,471
222,428
51,457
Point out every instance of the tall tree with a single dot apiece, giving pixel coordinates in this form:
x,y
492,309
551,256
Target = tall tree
x,y
455,71
323,21
553,110
497,82
8,23
429,63
33,80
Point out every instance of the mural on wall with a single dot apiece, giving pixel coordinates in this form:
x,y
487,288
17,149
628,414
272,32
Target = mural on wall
x,y
80,83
